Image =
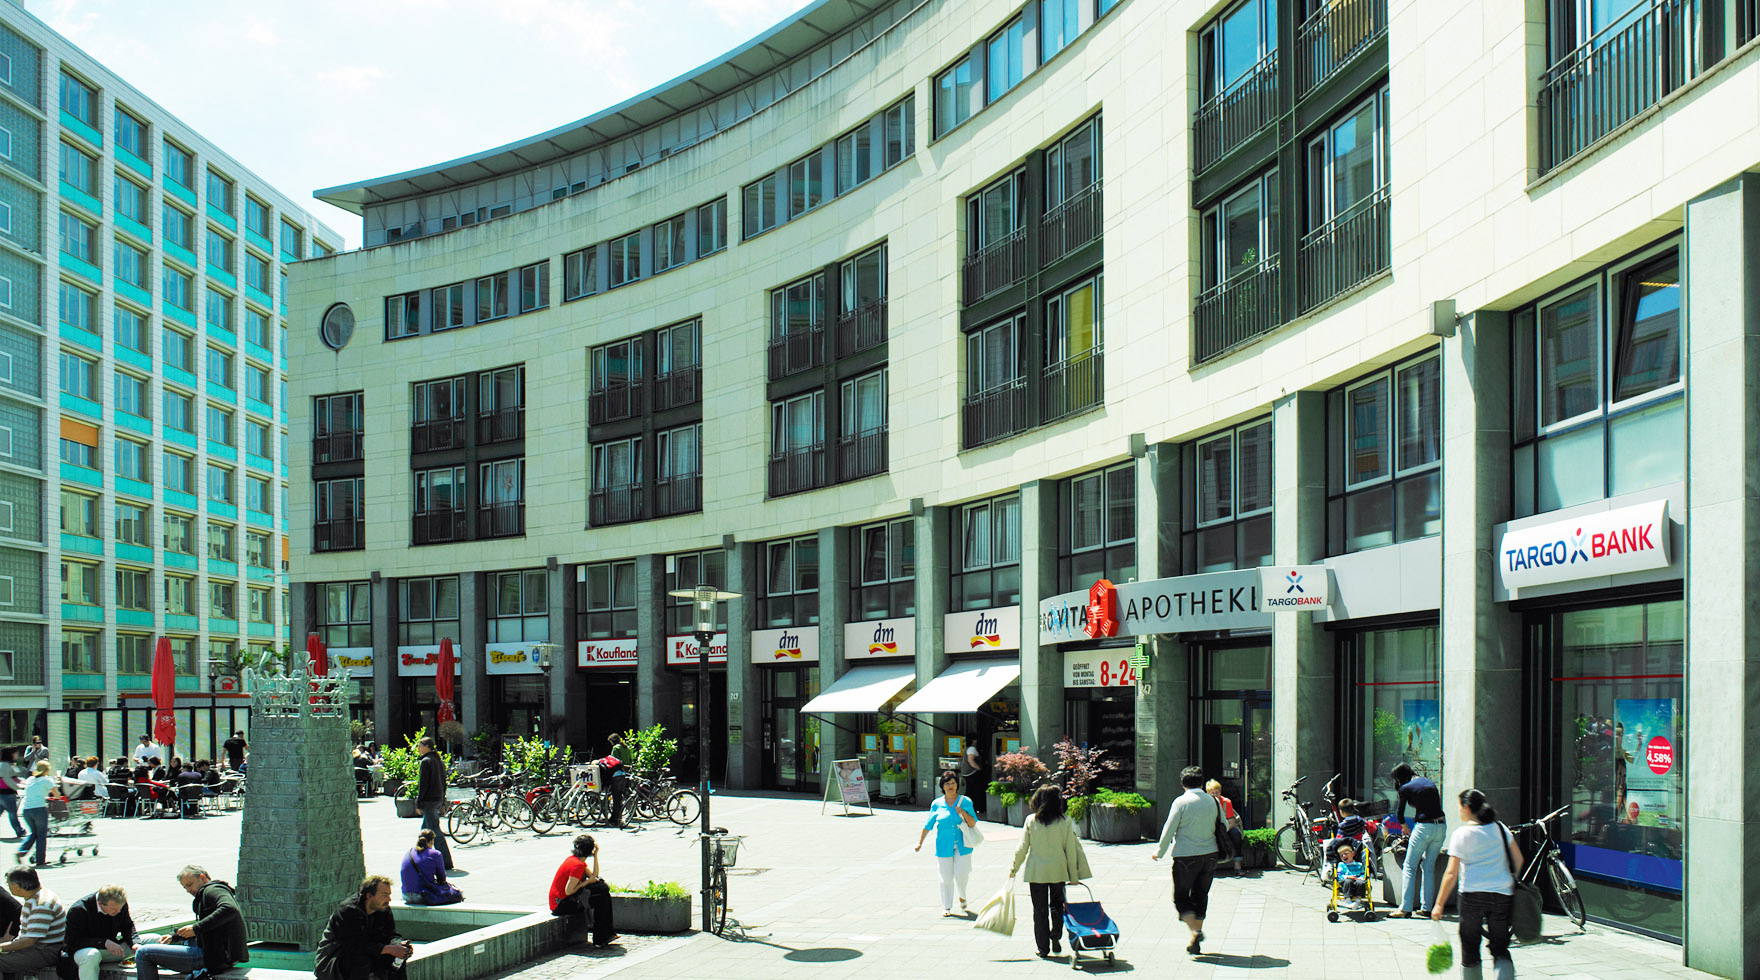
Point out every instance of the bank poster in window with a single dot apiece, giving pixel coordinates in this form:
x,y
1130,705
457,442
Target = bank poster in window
x,y
1422,735
1644,763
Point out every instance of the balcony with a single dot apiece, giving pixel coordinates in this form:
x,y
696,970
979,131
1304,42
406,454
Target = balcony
x,y
681,386
614,401
1343,253
1235,116
862,454
1233,312
440,525
502,520
337,447
678,495
796,351
501,425
1332,36
993,415
861,328
997,266
435,435
618,504
794,470
1073,385
1070,225
21,668
1622,71
343,534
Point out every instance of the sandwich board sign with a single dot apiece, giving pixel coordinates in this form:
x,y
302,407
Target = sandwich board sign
x,y
847,785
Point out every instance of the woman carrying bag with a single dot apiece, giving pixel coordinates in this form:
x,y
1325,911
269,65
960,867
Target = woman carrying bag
x,y
1482,857
950,817
1053,856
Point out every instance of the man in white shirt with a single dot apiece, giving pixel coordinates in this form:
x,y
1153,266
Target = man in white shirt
x,y
143,751
92,774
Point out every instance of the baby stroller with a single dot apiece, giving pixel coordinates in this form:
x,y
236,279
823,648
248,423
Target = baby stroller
x,y
1360,835
1090,929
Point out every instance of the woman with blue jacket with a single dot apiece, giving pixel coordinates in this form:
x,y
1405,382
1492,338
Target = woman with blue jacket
x,y
953,859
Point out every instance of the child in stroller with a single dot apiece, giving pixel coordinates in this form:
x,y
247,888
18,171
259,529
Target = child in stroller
x,y
1350,862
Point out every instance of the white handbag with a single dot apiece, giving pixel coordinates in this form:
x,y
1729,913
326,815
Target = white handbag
x,y
970,832
997,914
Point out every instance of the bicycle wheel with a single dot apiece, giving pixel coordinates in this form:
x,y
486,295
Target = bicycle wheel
x,y
461,822
1294,851
683,807
544,814
1564,885
641,806
717,900
514,811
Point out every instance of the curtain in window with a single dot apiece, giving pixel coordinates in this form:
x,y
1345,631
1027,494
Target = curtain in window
x,y
1005,520
1086,500
1216,480
1366,452
977,537
1420,414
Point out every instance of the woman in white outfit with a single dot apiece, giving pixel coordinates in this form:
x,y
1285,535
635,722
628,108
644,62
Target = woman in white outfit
x,y
1482,858
952,857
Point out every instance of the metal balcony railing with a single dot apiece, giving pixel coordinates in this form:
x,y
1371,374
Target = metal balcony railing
x,y
1235,311
1236,115
437,434
1075,384
995,414
861,328
796,351
680,386
343,534
998,265
614,401
678,495
23,668
617,504
1622,71
342,446
501,425
502,520
795,470
1343,253
1332,36
440,526
862,454
1070,225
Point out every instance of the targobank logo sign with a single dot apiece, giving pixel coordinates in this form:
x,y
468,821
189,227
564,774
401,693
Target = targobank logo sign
x,y
1630,539
1287,588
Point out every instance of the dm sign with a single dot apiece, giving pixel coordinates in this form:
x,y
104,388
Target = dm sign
x,y
1630,539
794,645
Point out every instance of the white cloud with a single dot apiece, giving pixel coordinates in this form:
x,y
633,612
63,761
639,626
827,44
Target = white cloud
x,y
351,78
258,32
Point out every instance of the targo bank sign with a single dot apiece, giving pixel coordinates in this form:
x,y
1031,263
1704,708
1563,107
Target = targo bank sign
x,y
1630,539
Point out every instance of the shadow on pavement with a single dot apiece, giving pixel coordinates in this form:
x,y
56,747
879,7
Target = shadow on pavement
x,y
1241,962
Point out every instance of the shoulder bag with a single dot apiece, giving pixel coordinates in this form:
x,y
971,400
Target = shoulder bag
x,y
1524,910
968,831
1224,845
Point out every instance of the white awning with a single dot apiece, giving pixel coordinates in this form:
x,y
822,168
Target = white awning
x,y
963,686
862,689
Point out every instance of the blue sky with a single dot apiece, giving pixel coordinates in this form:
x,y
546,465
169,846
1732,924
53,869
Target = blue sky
x,y
315,93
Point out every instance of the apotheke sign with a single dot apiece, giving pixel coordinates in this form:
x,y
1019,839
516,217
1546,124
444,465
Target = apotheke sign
x,y
1630,539
1218,600
794,645
982,630
606,653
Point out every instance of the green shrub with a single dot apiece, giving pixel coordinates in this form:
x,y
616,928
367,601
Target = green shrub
x,y
402,762
1129,802
1077,806
653,889
530,758
1002,792
1265,838
648,749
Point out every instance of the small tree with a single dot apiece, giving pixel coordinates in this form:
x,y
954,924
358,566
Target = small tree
x,y
1079,768
530,758
648,749
1017,774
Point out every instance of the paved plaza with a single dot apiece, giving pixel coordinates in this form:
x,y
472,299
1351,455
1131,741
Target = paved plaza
x,y
839,897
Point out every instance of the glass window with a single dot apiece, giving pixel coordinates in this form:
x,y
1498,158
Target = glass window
x,y
1097,527
449,306
130,263
179,349
798,308
855,158
759,205
993,357
997,212
256,216
806,184
129,328
712,227
626,258
669,242
1229,507
179,472
131,198
985,566
77,236
607,600
219,251
79,100
1059,23
1647,345
256,272
1073,164
534,287
134,524
883,578
1396,697
956,95
862,280
345,614
78,376
178,226
132,461
1346,164
791,583
580,273
1004,59
79,169
492,297
131,394
220,487
178,163
898,133
1072,323
79,514
178,291
219,192
1232,46
403,315
221,543
219,367
1240,234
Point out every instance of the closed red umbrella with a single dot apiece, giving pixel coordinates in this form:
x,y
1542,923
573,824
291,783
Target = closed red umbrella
x,y
164,694
443,682
317,655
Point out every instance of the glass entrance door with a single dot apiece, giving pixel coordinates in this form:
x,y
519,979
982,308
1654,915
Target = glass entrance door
x,y
1233,691
790,738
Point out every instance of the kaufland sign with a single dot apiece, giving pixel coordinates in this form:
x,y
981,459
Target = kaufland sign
x,y
1630,539
606,653
684,650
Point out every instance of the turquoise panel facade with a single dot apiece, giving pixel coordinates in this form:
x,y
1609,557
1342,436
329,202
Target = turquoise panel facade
x,y
219,451
181,315
221,393
256,462
218,508
83,614
259,519
80,474
84,406
129,421
222,217
175,189
223,335
134,617
134,682
84,338
257,296
178,375
260,408
173,559
80,267
133,228
177,253
134,294
224,569
177,498
261,629
223,628
86,202
134,358
78,127
133,488
256,574
182,438
181,623
133,162
262,243
134,552
82,682
259,352
82,544
224,278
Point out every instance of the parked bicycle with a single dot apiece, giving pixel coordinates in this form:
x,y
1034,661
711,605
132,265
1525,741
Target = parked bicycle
x,y
723,852
1548,861
1299,841
493,807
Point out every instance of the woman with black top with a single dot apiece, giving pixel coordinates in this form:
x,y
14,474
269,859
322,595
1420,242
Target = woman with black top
x,y
1424,846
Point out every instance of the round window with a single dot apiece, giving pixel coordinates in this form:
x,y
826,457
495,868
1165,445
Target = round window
x,y
338,326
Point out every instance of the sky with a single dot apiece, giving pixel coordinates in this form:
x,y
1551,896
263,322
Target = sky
x,y
316,93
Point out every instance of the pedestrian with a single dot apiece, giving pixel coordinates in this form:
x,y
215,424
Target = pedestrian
x,y
423,875
97,777
99,930
577,889
431,793
953,859
1482,858
360,940
33,802
1053,857
144,750
37,752
1424,845
1230,819
236,747
1191,832
976,785
616,775
214,942
42,924
9,780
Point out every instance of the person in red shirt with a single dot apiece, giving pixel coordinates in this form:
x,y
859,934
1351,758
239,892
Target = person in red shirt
x,y
577,889
1229,819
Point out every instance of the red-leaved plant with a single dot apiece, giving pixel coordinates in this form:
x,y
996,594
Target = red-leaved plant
x,y
1021,772
1079,767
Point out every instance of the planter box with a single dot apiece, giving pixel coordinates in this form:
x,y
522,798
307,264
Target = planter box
x,y
994,811
391,786
893,788
638,914
406,807
1113,824
1017,813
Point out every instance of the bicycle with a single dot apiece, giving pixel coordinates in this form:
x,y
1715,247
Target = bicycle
x,y
723,852
1558,875
1297,842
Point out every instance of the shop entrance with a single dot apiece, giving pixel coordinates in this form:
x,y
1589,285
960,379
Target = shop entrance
x,y
611,708
791,739
1105,718
1233,719
517,704
684,763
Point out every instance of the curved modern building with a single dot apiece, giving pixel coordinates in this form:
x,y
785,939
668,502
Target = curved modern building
x,y
1287,389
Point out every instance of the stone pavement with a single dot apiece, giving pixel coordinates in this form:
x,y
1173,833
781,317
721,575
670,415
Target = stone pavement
x,y
838,897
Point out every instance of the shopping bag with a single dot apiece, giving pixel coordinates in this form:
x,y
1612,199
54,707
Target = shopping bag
x,y
1440,955
1524,912
997,914
970,832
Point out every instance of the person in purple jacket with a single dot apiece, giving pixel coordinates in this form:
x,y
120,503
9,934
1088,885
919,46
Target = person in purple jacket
x,y
424,875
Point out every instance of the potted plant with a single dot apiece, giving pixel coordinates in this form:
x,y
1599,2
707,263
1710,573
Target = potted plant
x,y
1017,775
1258,848
648,749
895,779
1078,774
1113,816
657,907
401,764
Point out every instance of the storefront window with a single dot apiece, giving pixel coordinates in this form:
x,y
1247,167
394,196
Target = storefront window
x,y
605,600
687,571
884,575
1233,696
345,614
519,607
1097,527
791,583
1395,704
1229,504
429,610
986,559
1384,457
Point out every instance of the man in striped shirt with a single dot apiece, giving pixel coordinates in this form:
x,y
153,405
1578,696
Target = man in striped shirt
x,y
42,926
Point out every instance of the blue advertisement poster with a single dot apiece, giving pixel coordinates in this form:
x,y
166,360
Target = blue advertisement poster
x,y
1645,769
1423,731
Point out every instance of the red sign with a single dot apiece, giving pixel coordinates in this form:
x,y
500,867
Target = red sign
x,y
1660,755
1102,610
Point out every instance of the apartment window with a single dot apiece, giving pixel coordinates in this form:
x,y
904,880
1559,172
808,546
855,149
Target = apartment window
x,y
884,572
179,472
129,328
256,438
1234,45
1238,237
1097,527
1005,59
133,588
403,315
220,249
79,100
996,212
345,614
257,384
218,364
448,306
222,600
580,273
179,349
1384,457
617,481
178,164
1599,390
132,460
797,324
712,227
678,358
79,454
798,432
679,462
79,514
986,559
993,356
1059,23
607,598
180,595
806,184
259,607
534,287
336,427
178,291
77,307
257,549
131,394
956,95
428,610
292,239
898,133
439,413
1072,165
134,524
759,205
440,490
78,169
855,162
669,243
501,493
130,263
219,192
687,571
500,404
258,495
81,653
79,583
256,216
1347,163
134,653
1230,502
862,426
256,327
1072,323
78,376
131,198
179,226
339,506
791,583
77,236
256,271
220,487
626,258
492,297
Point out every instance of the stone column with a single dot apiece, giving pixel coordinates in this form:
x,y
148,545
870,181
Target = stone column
x,y
1723,538
473,681
745,683
1482,717
1163,689
834,742
387,692
657,690
564,687
1303,663
932,529
1041,666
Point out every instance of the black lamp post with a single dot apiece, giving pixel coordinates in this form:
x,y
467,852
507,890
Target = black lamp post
x,y
544,658
704,599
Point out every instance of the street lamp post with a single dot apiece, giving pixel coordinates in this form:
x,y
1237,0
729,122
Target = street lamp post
x,y
704,599
213,699
544,658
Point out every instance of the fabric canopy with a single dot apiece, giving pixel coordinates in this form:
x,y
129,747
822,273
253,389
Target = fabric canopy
x,y
443,687
164,694
964,686
862,689
317,655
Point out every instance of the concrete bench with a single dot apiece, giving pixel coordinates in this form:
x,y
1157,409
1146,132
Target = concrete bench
x,y
114,971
